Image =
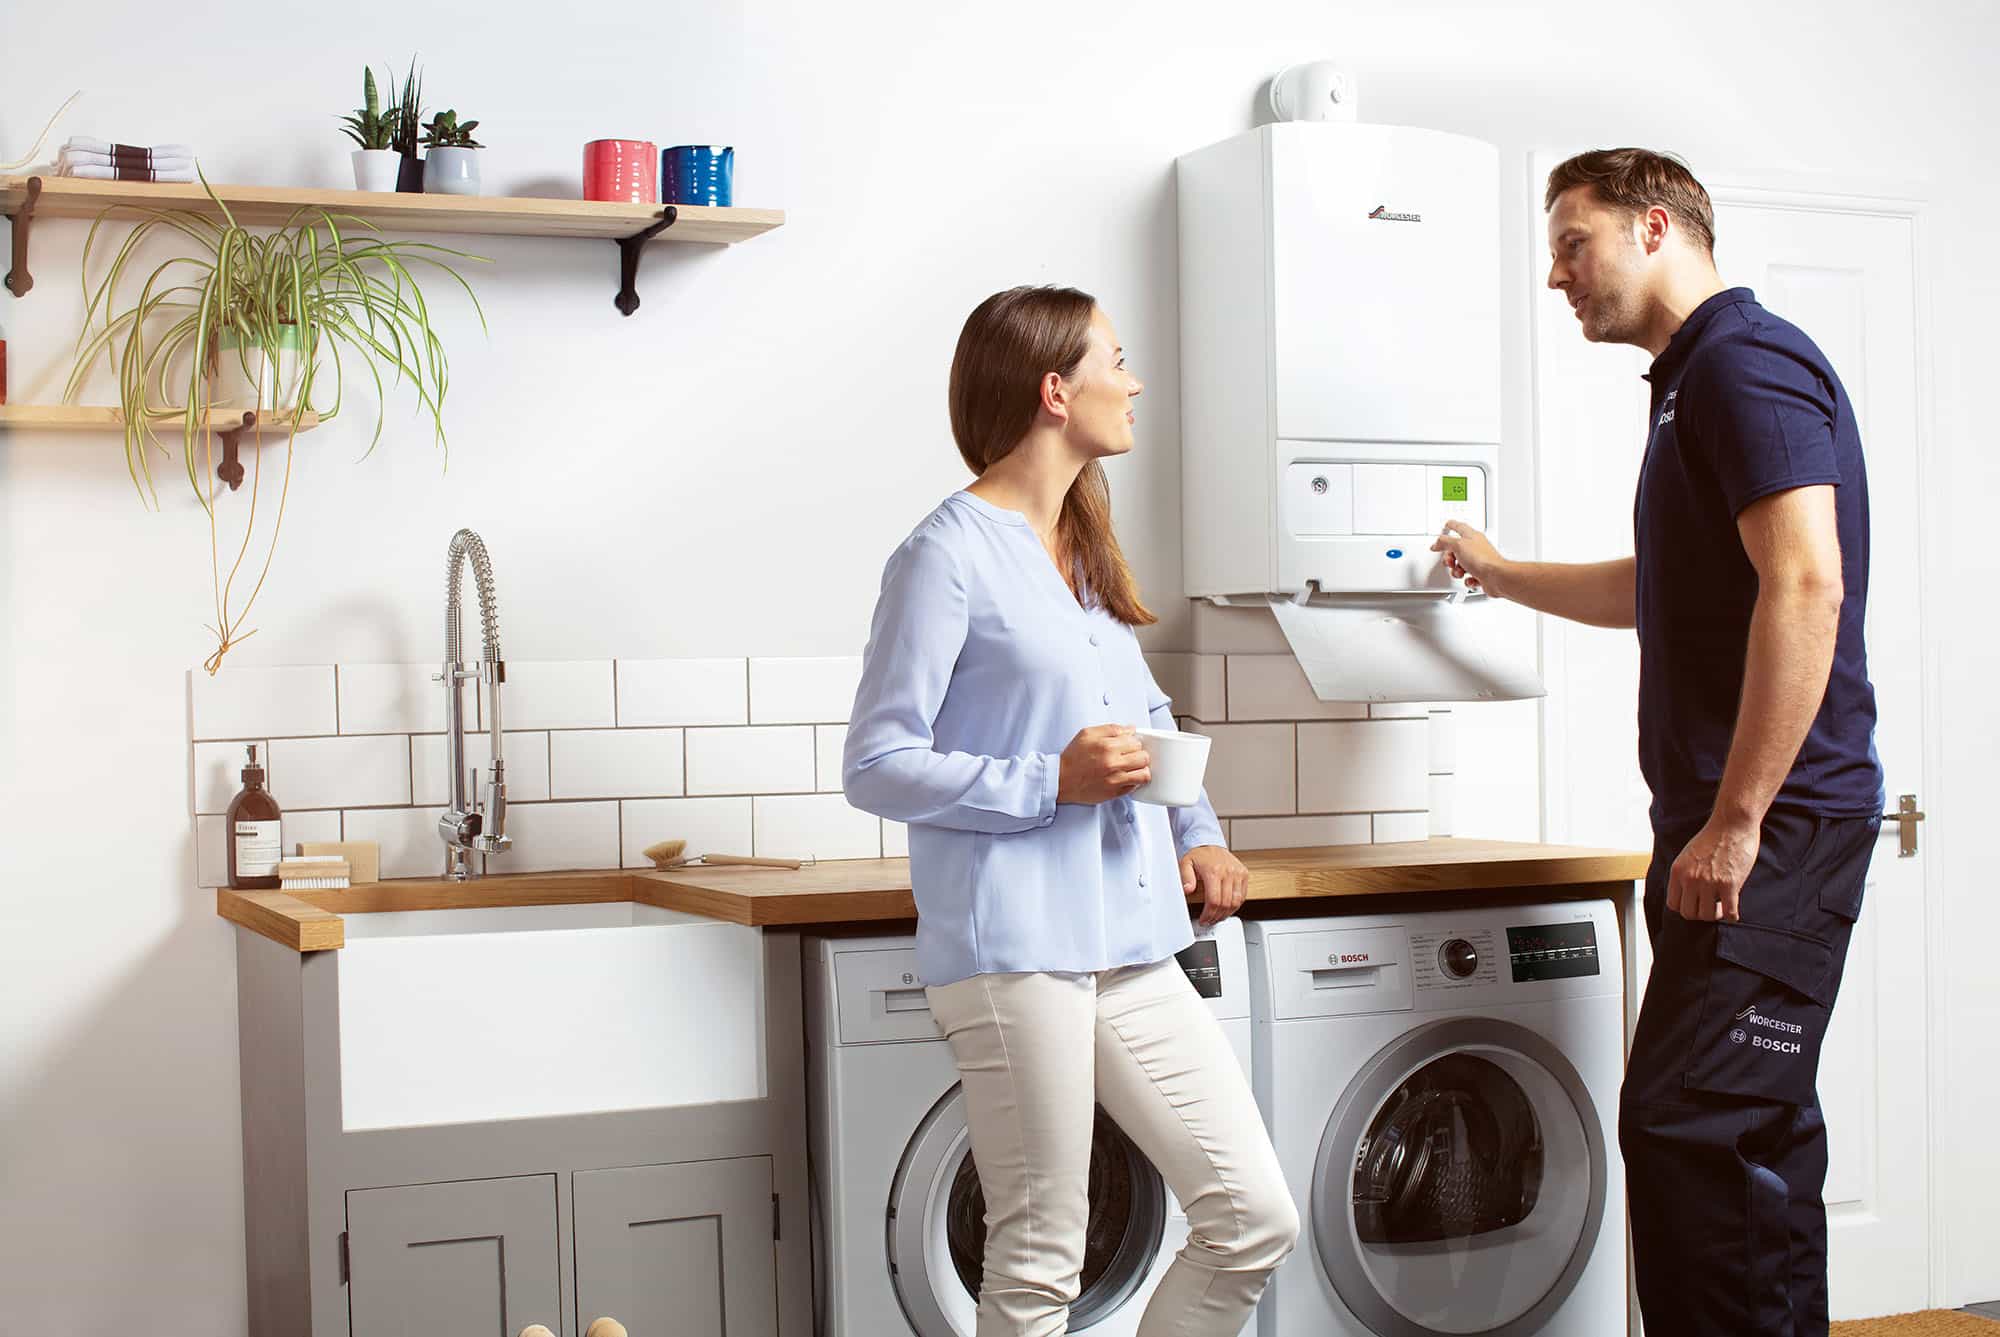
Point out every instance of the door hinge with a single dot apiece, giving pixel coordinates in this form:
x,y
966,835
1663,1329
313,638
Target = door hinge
x,y
344,1264
774,1218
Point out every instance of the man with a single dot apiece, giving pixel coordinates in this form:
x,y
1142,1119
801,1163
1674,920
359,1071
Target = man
x,y
1756,736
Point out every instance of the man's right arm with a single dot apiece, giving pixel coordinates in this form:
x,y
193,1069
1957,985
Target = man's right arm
x,y
1598,593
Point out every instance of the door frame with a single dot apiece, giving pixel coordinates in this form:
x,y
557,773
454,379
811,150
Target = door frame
x,y
1837,195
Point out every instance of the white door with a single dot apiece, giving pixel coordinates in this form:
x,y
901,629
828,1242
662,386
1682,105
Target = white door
x,y
1844,271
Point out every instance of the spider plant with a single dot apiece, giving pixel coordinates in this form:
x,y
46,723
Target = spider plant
x,y
324,285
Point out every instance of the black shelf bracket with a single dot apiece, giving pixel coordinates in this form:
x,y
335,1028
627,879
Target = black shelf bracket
x,y
19,280
230,470
627,300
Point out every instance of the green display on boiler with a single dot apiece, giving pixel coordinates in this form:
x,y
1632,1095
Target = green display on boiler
x,y
1455,488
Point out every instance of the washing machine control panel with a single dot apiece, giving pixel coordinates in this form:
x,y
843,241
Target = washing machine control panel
x,y
1451,958
1552,951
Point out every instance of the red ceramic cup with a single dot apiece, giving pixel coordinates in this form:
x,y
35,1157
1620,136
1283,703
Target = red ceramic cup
x,y
626,171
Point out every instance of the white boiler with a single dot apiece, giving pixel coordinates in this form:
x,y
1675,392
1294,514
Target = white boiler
x,y
1340,396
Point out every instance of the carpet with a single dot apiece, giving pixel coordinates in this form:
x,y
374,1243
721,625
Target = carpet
x,y
1929,1323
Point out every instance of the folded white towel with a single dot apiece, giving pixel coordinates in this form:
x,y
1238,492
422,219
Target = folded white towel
x,y
88,145
96,173
85,158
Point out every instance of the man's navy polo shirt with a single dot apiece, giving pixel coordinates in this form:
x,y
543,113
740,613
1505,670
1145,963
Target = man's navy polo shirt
x,y
1744,406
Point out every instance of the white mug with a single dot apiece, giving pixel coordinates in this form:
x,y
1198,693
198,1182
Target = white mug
x,y
1178,761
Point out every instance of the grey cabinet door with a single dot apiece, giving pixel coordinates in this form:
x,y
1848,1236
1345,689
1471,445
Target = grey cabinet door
x,y
678,1250
477,1258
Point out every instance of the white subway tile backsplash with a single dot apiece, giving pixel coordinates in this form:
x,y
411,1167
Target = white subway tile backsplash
x,y
708,825
263,702
411,846
1274,687
526,755
1290,833
1442,790
819,826
1393,828
1251,769
1364,765
394,698
744,755
828,742
218,773
556,694
750,760
1240,630
1194,682
366,771
615,763
655,692
313,824
803,691
553,837
1444,742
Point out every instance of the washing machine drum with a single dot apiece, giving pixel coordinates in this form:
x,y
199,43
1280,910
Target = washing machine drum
x,y
1456,1151
1460,1183
937,1225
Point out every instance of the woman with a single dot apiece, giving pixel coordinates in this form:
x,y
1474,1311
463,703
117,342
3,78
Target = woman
x,y
996,714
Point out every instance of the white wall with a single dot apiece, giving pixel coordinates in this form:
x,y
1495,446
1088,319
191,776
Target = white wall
x,y
723,473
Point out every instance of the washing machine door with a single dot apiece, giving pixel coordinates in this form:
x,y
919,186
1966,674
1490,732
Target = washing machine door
x,y
937,1225
1459,1185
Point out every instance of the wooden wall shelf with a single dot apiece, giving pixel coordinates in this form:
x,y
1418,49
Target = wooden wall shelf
x,y
231,425
25,198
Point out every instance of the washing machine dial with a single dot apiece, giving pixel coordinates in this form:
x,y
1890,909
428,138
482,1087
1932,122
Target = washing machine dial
x,y
1458,959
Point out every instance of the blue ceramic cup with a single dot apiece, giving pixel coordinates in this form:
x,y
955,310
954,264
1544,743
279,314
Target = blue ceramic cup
x,y
697,174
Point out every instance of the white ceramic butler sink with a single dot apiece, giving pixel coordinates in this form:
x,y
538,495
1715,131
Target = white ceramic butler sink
x,y
453,1016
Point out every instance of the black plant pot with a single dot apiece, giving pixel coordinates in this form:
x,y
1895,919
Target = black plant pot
x,y
410,175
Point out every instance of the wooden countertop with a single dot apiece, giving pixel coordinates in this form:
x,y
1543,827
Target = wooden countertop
x,y
852,891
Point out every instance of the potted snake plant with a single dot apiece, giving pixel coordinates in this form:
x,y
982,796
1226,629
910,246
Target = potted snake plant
x,y
406,123
373,131
273,322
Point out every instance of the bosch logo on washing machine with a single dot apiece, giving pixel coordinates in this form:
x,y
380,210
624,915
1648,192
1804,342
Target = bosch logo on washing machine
x,y
1347,958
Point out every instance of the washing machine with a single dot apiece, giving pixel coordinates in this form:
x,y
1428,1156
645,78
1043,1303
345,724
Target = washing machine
x,y
1442,1090
897,1211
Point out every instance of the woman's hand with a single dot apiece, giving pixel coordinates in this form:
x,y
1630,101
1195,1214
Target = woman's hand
x,y
1223,880
1102,762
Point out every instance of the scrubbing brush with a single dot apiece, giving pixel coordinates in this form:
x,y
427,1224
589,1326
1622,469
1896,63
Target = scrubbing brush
x,y
673,854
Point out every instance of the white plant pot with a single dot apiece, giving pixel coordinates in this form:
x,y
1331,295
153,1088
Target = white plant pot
x,y
375,169
451,171
247,379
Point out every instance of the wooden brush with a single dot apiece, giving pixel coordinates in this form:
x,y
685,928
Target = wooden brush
x,y
666,853
673,854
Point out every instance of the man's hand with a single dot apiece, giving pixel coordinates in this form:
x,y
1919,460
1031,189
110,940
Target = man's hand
x,y
1222,878
1470,556
1708,876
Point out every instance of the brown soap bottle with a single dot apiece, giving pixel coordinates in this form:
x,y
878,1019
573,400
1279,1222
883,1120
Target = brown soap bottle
x,y
251,830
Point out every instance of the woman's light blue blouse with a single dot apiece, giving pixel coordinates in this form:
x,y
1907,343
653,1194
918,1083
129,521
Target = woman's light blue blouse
x,y
981,667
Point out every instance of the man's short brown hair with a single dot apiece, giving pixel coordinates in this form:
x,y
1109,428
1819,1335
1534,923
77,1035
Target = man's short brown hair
x,y
1635,180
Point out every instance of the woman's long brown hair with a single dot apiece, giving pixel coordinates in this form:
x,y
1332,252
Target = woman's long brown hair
x,y
1010,341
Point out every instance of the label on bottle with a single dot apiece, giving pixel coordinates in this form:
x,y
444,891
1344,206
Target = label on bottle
x,y
258,848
